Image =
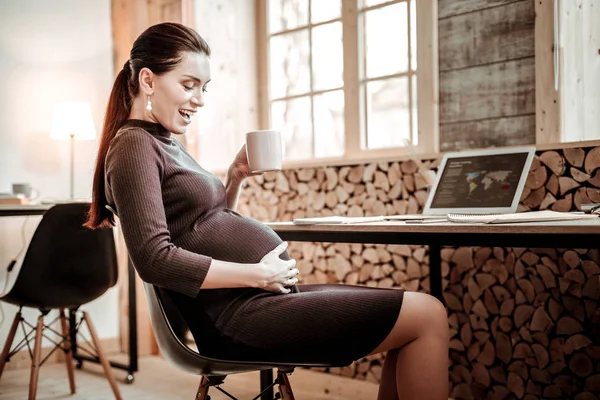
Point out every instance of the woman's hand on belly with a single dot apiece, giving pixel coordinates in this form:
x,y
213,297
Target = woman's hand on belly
x,y
274,274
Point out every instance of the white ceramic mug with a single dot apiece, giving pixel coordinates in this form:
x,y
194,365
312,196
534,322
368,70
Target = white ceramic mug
x,y
264,151
26,190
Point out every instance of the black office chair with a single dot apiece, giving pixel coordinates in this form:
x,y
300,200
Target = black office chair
x,y
169,330
165,317
66,265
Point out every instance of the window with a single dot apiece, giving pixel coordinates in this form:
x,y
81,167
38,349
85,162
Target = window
x,y
306,80
339,78
388,83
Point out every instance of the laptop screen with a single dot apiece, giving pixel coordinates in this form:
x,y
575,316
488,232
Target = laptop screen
x,y
481,181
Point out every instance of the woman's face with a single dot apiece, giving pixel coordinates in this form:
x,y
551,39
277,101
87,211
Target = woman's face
x,y
180,92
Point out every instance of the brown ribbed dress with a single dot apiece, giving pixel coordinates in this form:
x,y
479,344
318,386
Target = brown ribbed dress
x,y
175,219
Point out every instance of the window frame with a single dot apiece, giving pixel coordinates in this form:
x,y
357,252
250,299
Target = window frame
x,y
427,82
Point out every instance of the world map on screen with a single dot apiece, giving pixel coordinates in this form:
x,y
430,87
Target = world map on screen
x,y
489,180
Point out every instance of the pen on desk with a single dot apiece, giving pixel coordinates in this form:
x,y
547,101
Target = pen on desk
x,y
425,221
413,155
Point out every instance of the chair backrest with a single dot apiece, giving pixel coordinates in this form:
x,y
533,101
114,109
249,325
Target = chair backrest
x,y
169,343
176,352
66,264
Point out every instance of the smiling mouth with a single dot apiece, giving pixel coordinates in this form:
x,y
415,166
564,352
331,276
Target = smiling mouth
x,y
186,114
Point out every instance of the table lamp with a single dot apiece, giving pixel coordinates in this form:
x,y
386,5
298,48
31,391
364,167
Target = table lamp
x,y
72,120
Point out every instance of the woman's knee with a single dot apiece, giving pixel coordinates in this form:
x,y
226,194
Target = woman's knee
x,y
438,317
420,315
424,315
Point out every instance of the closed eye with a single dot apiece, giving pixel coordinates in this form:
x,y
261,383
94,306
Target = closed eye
x,y
188,88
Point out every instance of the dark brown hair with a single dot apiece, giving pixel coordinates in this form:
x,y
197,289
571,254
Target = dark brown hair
x,y
159,48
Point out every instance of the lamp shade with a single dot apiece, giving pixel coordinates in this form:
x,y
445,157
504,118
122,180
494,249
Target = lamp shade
x,y
72,118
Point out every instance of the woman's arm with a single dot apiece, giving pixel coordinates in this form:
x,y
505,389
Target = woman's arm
x,y
233,184
237,172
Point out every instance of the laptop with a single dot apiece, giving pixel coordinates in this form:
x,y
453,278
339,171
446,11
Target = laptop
x,y
482,182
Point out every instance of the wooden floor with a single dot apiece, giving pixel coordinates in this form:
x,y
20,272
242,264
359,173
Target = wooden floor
x,y
157,379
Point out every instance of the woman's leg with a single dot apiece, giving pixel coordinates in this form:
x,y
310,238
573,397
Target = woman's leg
x,y
387,388
420,337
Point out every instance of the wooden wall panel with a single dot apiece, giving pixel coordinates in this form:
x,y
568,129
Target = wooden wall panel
x,y
449,8
547,99
487,73
164,11
487,36
500,132
490,91
127,22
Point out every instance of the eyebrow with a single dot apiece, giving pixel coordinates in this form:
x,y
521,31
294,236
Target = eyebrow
x,y
196,79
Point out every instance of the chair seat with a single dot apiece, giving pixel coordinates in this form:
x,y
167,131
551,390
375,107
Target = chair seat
x,y
51,301
175,351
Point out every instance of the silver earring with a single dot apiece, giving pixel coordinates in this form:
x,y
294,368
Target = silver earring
x,y
149,105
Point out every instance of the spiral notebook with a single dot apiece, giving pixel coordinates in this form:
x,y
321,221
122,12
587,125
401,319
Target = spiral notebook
x,y
530,216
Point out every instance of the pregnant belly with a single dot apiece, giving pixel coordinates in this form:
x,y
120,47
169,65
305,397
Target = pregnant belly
x,y
228,236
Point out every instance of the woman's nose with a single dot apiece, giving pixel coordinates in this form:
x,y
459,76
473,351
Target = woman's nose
x,y
198,100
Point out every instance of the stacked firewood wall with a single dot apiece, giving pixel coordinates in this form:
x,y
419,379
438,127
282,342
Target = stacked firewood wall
x,y
525,323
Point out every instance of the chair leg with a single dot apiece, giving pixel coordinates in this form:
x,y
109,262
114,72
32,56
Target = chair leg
x,y
68,351
202,393
35,362
285,390
9,340
103,360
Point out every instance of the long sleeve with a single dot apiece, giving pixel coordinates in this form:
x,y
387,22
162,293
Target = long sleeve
x,y
134,172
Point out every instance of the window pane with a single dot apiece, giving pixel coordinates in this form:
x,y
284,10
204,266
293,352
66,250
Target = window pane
x,y
289,62
388,114
329,124
325,10
415,114
287,14
328,56
413,35
386,38
293,119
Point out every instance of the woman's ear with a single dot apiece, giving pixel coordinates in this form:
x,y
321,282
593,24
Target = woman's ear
x,y
147,81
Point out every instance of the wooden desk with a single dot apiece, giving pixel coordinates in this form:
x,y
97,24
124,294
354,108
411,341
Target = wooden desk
x,y
578,234
31,210
9,210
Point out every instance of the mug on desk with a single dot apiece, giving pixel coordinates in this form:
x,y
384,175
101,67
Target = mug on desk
x,y
264,151
26,190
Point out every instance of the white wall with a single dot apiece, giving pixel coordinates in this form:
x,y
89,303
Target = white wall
x,y
580,70
50,51
231,102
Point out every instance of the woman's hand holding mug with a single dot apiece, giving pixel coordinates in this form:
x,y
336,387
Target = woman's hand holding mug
x,y
275,274
262,152
240,169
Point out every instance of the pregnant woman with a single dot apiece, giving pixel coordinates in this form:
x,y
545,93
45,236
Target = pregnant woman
x,y
229,275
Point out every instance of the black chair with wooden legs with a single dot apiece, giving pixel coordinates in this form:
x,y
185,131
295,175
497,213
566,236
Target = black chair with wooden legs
x,y
66,266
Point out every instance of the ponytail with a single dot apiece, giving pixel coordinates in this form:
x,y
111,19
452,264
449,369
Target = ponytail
x,y
117,112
